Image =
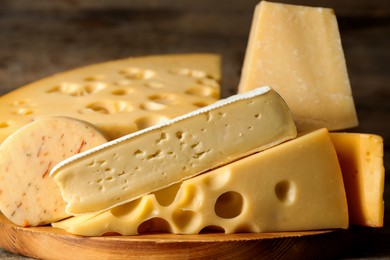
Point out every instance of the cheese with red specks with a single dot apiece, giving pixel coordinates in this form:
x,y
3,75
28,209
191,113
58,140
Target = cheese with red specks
x,y
28,196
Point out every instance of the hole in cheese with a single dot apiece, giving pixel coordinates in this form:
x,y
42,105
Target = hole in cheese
x,y
164,98
123,212
200,104
4,124
94,77
107,107
165,197
152,106
122,92
212,229
23,111
137,73
75,89
151,120
209,82
203,91
154,225
185,219
285,191
229,205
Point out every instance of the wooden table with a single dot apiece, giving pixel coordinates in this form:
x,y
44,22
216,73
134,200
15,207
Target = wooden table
x,y
39,38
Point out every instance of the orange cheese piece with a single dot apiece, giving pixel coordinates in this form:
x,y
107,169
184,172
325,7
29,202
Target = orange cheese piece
x,y
361,161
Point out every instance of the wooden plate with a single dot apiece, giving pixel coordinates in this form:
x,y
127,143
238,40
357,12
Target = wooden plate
x,y
50,243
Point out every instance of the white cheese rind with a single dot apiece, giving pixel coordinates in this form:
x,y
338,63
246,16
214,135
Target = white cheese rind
x,y
294,186
143,162
28,197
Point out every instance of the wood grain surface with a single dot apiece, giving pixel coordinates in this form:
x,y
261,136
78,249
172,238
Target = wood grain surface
x,y
39,38
50,243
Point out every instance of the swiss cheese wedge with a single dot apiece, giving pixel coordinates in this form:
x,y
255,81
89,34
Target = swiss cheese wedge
x,y
156,157
119,97
297,51
296,185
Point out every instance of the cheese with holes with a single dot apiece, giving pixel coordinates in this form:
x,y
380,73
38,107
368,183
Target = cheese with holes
x,y
297,51
293,186
151,159
119,97
28,197
361,160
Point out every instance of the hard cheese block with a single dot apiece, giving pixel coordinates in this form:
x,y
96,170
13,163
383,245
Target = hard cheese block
x,y
294,186
119,97
159,156
297,51
28,197
361,160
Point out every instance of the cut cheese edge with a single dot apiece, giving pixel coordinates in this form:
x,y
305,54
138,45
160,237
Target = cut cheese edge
x,y
151,159
361,160
28,197
119,97
297,51
293,186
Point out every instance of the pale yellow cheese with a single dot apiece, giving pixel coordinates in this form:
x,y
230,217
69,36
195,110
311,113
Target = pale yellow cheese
x,y
361,160
293,186
159,156
119,97
297,51
28,197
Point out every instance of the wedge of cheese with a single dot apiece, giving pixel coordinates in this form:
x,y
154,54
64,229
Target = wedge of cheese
x,y
28,197
296,185
361,160
159,156
297,51
119,97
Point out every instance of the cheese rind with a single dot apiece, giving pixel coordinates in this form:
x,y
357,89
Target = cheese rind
x,y
297,51
294,186
119,97
28,197
159,156
361,160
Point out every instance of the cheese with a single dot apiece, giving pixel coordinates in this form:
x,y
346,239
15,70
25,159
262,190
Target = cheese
x,y
294,186
297,51
28,197
361,160
156,157
119,97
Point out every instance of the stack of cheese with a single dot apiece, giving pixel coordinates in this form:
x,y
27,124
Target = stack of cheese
x,y
235,165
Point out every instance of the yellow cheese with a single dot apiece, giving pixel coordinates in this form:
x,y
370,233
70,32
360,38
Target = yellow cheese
x,y
293,186
156,157
119,97
28,197
361,160
297,51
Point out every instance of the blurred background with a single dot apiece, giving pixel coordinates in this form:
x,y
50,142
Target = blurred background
x,y
39,38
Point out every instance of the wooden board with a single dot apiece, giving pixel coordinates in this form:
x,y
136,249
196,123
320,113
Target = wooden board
x,y
50,243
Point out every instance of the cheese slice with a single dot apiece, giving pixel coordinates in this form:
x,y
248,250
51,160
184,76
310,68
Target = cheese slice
x,y
294,186
361,160
159,156
119,97
28,197
297,51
